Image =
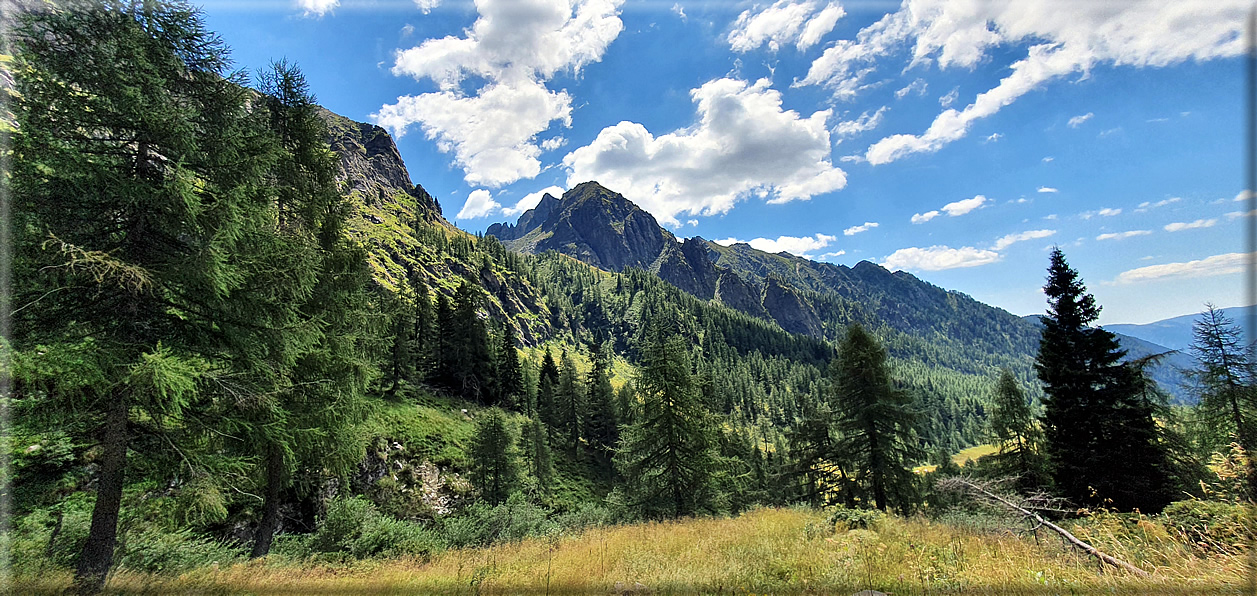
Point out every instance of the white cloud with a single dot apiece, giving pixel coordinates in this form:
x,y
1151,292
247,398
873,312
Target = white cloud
x,y
1105,212
937,258
1194,225
479,203
679,11
1216,265
1123,235
1047,189
995,136
950,98
426,6
830,255
513,47
924,217
408,30
784,22
852,159
1006,241
853,230
691,223
963,206
864,123
918,85
553,143
1238,214
530,200
743,144
1146,205
317,8
800,246
1051,217
1077,121
949,33
1048,159
1242,196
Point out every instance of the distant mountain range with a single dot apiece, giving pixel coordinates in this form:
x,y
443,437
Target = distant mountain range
x,y
1176,332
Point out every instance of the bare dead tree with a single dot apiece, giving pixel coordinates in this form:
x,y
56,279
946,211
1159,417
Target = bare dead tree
x,y
1026,508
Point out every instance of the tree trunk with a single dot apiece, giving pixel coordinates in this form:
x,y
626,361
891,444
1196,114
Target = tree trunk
x,y
97,556
270,504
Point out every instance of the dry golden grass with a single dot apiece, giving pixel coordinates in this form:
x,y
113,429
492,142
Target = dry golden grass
x,y
765,551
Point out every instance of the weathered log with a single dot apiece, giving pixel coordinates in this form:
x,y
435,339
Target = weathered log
x,y
1087,548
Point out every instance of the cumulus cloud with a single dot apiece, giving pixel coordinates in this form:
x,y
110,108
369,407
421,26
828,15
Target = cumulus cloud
x,y
995,136
426,6
938,258
1123,235
553,143
479,203
511,50
864,227
317,8
784,22
950,98
1077,121
1136,33
679,11
1224,264
743,144
864,123
1047,189
1242,195
1006,241
794,245
1192,225
530,200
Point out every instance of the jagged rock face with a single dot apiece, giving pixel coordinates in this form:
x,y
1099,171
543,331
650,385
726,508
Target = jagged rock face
x,y
529,221
686,266
735,293
602,228
790,310
371,165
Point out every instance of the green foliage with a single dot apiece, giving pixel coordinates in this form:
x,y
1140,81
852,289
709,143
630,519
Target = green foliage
x,y
1102,440
494,469
353,526
846,518
1227,409
1211,527
1016,432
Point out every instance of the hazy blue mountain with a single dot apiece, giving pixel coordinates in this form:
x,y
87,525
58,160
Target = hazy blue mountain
x,y
1176,332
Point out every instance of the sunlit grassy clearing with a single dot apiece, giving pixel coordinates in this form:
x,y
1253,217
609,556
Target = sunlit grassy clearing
x,y
965,455
764,551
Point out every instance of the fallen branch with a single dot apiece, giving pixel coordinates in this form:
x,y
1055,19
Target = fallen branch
x,y
955,483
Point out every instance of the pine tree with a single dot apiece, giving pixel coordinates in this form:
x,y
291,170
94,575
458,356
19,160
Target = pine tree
x,y
547,385
493,467
510,378
1015,431
667,458
470,360
1101,438
540,462
876,421
137,199
602,429
1224,379
569,405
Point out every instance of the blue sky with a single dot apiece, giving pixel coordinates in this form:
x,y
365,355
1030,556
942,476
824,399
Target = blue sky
x,y
957,140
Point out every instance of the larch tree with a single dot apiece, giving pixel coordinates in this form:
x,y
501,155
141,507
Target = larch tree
x,y
1224,379
1016,433
875,421
1101,439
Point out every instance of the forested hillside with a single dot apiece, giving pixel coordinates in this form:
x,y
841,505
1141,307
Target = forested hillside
x,y
242,330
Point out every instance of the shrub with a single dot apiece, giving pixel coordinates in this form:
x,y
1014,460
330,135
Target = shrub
x,y
158,551
846,518
1210,527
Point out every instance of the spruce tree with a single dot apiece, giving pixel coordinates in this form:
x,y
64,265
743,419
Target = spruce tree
x,y
668,458
876,421
1016,433
547,385
569,405
493,468
602,429
510,376
1101,438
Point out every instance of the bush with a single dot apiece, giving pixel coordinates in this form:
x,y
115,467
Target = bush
x,y
845,518
355,527
1210,527
158,551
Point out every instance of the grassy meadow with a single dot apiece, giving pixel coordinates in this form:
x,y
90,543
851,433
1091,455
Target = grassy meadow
x,y
776,551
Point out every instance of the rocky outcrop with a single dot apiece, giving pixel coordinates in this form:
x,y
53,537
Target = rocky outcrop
x,y
371,166
529,221
789,309
602,228
686,266
733,292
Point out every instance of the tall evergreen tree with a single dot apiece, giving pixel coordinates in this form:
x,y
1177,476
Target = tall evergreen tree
x,y
470,360
876,421
537,449
493,467
1015,431
1224,380
569,405
139,217
547,385
601,427
510,376
1101,438
668,458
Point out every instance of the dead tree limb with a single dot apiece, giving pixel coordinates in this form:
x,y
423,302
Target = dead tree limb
x,y
964,484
